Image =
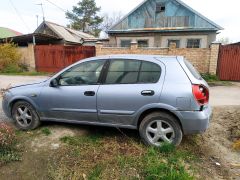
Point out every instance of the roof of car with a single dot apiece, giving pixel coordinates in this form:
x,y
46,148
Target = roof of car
x,y
139,56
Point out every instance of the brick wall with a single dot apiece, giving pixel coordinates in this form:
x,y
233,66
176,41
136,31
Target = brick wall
x,y
28,56
204,59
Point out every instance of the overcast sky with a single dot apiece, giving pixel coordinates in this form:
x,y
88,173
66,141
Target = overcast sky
x,y
224,13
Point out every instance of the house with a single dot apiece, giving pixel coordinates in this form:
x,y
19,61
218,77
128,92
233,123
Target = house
x,y
6,32
51,33
158,23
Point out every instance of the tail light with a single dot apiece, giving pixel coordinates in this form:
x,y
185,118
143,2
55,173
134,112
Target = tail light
x,y
201,94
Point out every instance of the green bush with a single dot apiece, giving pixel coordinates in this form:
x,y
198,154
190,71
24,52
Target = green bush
x,y
9,58
209,77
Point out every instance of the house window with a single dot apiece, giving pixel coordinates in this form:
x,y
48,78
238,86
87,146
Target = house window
x,y
142,43
125,43
193,43
160,7
177,42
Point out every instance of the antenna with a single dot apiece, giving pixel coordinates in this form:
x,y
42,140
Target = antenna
x,y
41,4
37,20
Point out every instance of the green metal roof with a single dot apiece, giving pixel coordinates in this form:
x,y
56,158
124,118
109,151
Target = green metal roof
x,y
6,32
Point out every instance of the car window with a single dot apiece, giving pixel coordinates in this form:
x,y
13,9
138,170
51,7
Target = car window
x,y
192,69
132,72
149,73
123,72
86,73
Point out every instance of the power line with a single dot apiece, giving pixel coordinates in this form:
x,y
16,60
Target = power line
x,y
20,16
57,6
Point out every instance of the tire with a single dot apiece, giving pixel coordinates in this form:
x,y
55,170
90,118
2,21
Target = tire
x,y
25,116
159,127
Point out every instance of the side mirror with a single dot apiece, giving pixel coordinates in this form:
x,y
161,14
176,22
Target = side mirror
x,y
54,83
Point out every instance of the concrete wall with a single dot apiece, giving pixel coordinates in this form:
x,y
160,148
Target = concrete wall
x,y
28,57
204,59
161,39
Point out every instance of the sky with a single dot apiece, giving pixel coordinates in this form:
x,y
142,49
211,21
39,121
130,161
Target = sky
x,y
21,15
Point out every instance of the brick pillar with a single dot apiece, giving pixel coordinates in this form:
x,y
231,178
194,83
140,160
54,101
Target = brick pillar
x,y
134,45
98,47
215,47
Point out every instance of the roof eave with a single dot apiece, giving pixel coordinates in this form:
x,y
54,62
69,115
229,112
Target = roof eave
x,y
161,30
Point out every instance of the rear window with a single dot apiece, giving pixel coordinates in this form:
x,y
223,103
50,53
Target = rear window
x,y
192,69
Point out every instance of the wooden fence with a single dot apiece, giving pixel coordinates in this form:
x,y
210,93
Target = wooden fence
x,y
229,62
53,58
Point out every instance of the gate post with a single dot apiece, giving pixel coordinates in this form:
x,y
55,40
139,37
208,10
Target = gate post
x,y
213,61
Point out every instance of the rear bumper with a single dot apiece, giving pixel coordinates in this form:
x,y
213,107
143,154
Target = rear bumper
x,y
195,122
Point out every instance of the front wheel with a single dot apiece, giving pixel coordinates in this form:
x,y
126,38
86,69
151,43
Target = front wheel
x,y
25,116
160,127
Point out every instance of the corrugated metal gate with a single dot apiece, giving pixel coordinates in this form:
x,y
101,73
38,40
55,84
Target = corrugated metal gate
x,y
229,62
53,58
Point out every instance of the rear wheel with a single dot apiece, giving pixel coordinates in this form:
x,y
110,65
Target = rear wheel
x,y
25,116
158,128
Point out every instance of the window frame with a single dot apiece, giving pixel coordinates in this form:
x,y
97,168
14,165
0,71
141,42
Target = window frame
x,y
99,81
106,70
147,40
200,40
160,7
174,40
121,40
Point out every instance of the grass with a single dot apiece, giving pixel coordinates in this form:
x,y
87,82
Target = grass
x,y
46,131
26,73
9,154
97,156
213,80
109,155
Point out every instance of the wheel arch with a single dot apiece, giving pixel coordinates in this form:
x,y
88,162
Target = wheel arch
x,y
152,110
17,99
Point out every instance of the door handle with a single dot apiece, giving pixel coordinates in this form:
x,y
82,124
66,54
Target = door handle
x,y
147,93
89,93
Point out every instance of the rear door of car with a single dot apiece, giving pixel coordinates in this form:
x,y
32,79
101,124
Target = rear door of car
x,y
128,85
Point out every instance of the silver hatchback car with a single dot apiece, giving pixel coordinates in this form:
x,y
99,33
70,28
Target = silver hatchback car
x,y
162,97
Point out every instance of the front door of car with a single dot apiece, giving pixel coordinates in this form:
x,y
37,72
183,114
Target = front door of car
x,y
129,86
74,98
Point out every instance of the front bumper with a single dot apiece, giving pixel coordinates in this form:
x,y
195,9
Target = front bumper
x,y
195,122
6,107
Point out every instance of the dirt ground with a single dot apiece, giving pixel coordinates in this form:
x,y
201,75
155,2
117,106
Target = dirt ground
x,y
215,147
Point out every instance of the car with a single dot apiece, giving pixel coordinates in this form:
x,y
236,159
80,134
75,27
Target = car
x,y
163,97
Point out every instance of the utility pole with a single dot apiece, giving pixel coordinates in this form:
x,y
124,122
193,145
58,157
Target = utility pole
x,y
41,4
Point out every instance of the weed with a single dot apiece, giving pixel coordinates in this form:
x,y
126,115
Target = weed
x,y
167,148
162,166
79,140
9,154
96,172
46,131
209,77
8,150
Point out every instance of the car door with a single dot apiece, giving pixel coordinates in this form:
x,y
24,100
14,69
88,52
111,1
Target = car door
x,y
74,98
129,85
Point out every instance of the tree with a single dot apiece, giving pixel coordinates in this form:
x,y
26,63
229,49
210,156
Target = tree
x,y
84,17
110,20
224,40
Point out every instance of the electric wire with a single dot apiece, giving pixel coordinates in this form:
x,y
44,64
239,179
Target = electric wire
x,y
19,15
57,6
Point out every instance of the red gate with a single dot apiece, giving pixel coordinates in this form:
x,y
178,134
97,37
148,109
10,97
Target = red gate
x,y
229,62
53,58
